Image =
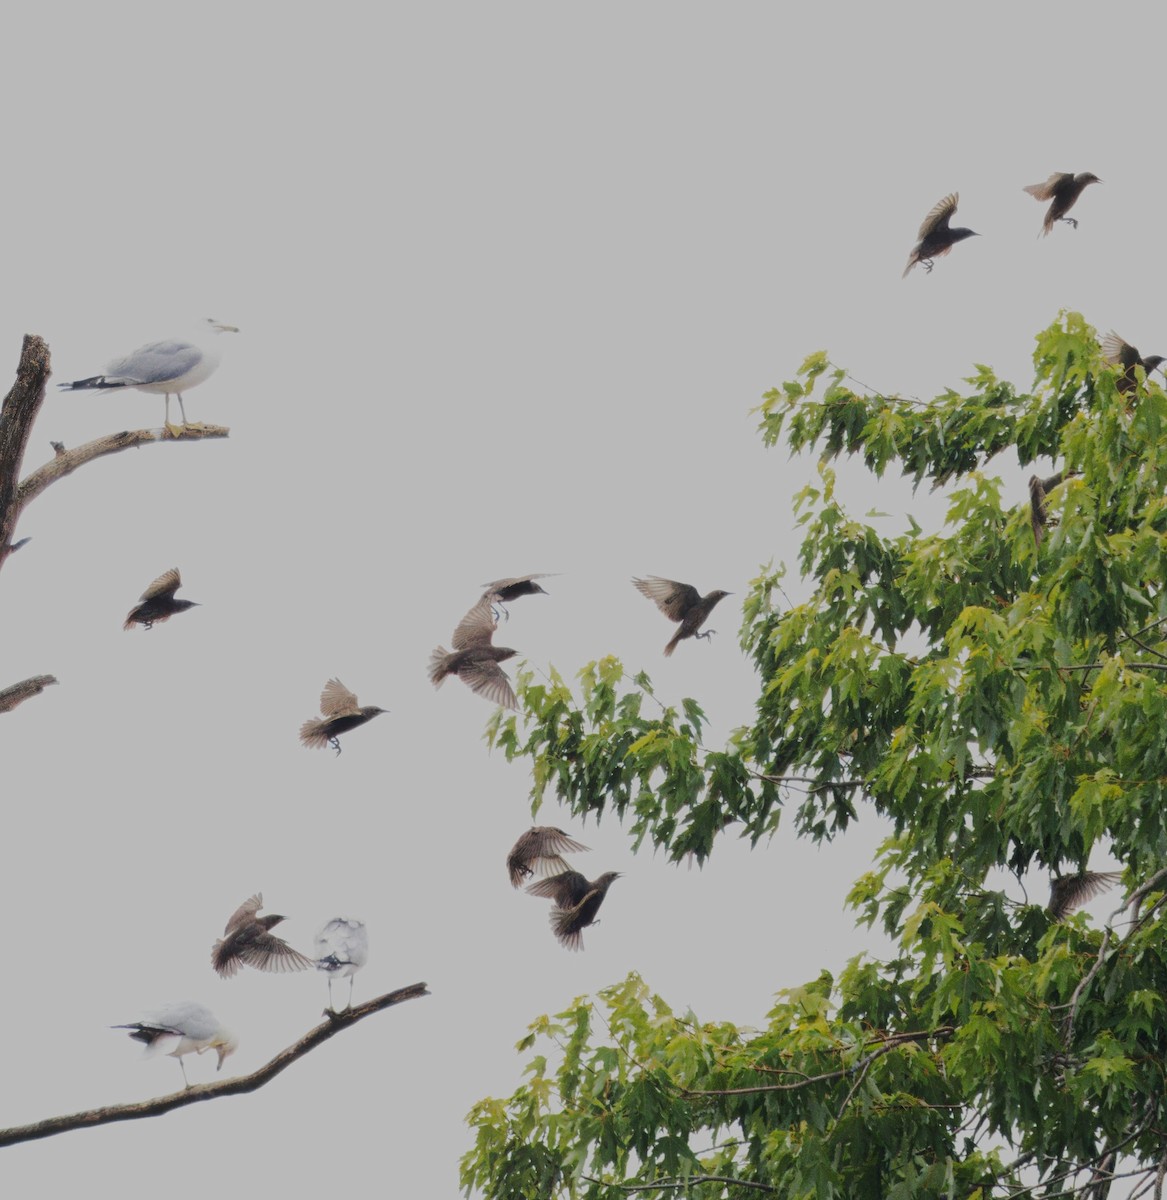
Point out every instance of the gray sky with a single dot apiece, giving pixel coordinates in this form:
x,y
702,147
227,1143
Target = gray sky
x,y
510,279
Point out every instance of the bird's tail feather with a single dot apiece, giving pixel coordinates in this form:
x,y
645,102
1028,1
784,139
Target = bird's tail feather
x,y
438,670
94,381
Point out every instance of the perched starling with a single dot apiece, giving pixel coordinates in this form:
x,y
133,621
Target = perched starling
x,y
340,714
179,1029
474,660
1122,354
577,900
18,693
1038,517
247,940
1072,891
158,602
538,851
1063,189
680,602
935,237
342,949
169,367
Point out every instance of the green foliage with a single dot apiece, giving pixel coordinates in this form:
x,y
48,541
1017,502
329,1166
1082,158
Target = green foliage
x,y
1002,704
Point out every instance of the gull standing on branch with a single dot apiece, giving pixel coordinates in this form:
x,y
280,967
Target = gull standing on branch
x,y
158,602
248,940
342,949
680,602
179,1029
168,368
474,659
340,713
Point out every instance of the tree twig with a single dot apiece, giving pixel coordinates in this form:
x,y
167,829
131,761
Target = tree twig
x,y
65,462
333,1024
18,693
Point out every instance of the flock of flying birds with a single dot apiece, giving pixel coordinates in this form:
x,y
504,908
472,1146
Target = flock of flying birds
x,y
341,946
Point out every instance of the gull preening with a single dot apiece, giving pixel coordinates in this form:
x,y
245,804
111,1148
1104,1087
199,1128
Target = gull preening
x,y
180,1029
248,940
168,368
341,949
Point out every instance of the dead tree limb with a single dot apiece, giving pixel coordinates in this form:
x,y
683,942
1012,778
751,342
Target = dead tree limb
x,y
65,462
333,1024
17,415
18,693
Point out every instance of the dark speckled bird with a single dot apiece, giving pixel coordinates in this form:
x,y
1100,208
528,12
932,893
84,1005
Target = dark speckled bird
x,y
1072,891
577,900
680,602
1063,189
935,236
248,940
1122,354
339,713
538,851
474,658
158,602
502,591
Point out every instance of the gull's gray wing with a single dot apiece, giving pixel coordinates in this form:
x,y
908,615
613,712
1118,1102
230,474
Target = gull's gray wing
x,y
154,363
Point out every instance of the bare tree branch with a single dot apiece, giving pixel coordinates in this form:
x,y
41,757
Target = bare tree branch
x,y
17,415
18,693
65,462
333,1024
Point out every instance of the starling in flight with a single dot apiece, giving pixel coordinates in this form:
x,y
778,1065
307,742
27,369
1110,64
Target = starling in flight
x,y
577,900
680,602
936,238
474,659
1122,354
248,940
158,602
538,852
1072,891
1063,189
340,713
502,591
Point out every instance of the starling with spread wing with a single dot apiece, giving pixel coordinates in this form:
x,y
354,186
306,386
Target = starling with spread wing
x,y
158,602
936,237
1122,354
248,941
340,712
577,900
1063,189
538,852
1072,891
680,602
474,659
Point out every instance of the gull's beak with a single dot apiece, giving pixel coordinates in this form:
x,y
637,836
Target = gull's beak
x,y
219,327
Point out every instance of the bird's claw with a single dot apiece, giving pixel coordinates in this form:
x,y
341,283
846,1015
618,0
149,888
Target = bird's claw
x,y
334,742
707,634
926,263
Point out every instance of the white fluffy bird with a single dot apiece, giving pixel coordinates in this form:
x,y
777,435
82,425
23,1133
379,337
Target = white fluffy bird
x,y
169,367
179,1029
341,949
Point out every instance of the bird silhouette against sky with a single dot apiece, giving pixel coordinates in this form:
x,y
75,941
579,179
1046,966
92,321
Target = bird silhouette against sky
x,y
158,602
936,238
340,712
474,659
1063,189
502,591
577,900
170,367
680,602
538,851
248,941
